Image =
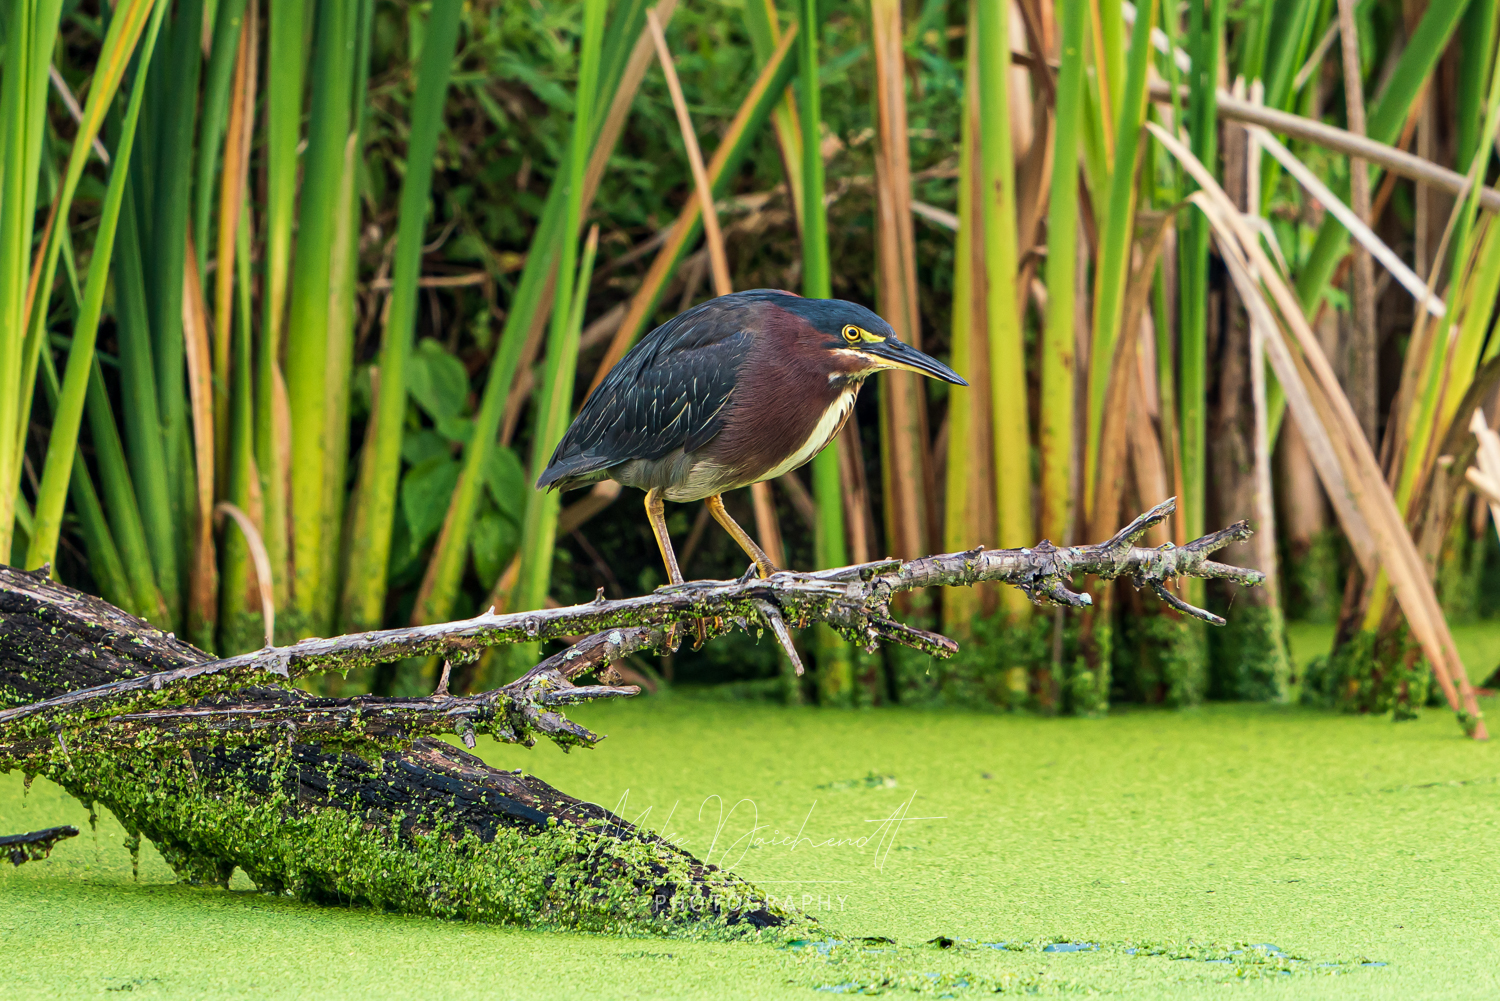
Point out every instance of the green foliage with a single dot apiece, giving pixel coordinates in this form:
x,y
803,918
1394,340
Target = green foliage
x,y
1248,658
494,540
994,668
1314,579
1372,673
439,384
425,488
1160,660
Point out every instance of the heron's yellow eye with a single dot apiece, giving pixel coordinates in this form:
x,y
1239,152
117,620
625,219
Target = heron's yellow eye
x,y
852,333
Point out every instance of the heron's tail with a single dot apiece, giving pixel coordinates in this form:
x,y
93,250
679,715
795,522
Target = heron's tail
x,y
567,472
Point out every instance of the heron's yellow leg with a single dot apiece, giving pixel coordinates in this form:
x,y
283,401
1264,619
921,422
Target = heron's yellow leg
x,y
655,511
763,563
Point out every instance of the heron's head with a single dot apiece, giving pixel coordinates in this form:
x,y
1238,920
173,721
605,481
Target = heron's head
x,y
849,341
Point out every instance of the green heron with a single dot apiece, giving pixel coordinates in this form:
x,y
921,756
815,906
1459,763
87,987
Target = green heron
x,y
739,389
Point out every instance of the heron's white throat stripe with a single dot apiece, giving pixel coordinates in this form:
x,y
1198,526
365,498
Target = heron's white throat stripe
x,y
828,426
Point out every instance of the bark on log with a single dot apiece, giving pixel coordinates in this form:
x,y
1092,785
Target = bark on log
x,y
353,800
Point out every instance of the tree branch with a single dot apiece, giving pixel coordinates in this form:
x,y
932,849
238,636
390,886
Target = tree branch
x,y
351,800
854,600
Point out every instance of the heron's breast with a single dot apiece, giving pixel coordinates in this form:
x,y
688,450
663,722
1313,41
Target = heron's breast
x,y
782,413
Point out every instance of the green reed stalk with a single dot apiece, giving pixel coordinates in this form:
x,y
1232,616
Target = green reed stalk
x,y
835,680
1007,347
963,521
117,488
227,21
1112,59
164,229
765,36
1453,355
1446,376
1113,270
1164,310
816,277
308,325
1292,49
105,565
555,405
232,220
1416,63
284,94
1057,413
237,625
115,54
1291,39
1097,136
144,441
342,273
30,32
1205,30
374,503
1384,124
124,525
440,585
57,469
1476,48
1291,42
1256,44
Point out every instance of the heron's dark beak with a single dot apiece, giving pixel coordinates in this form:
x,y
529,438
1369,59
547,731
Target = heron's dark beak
x,y
899,354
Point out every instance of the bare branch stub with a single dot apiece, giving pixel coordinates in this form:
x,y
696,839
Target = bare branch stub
x,y
22,848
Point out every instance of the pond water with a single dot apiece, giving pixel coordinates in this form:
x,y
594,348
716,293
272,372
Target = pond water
x,y
1228,848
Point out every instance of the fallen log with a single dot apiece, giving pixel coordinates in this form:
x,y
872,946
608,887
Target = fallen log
x,y
222,764
423,828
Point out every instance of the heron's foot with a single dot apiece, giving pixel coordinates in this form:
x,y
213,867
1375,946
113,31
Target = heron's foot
x,y
762,569
703,628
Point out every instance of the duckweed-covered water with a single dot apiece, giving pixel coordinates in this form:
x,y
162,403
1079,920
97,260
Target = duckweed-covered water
x,y
1226,851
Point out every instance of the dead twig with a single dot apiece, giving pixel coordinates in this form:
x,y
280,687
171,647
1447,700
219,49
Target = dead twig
x,y
22,848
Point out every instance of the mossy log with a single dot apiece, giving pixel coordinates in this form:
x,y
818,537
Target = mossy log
x,y
222,764
423,828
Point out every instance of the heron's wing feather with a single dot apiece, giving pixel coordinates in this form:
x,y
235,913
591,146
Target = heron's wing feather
x,y
668,392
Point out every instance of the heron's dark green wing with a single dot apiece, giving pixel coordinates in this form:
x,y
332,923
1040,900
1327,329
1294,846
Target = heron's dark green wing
x,y
668,392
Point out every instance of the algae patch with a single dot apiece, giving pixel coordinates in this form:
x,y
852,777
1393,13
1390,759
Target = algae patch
x,y
1107,832
946,967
